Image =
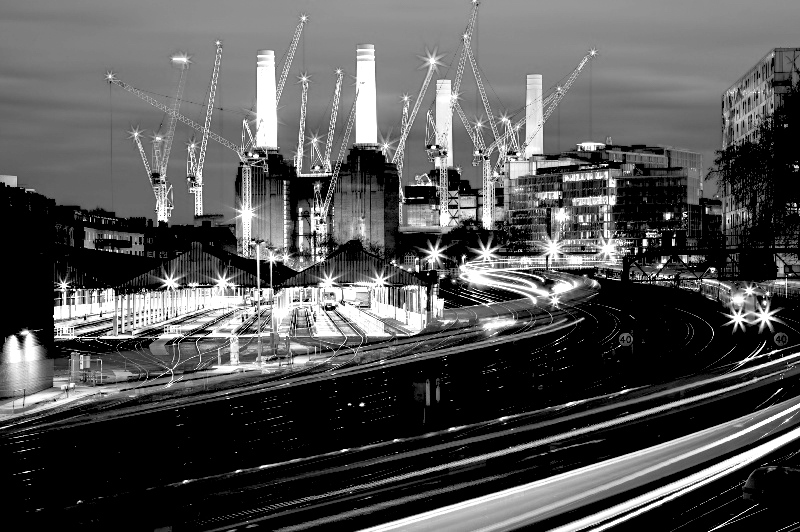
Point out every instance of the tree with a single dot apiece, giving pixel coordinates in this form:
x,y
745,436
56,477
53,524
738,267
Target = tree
x,y
761,177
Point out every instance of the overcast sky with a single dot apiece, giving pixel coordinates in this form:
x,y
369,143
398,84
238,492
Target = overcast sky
x,y
662,68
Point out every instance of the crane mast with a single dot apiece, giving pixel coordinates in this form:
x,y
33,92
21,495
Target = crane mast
x,y
448,203
301,135
290,56
195,177
551,102
403,122
182,61
339,160
337,93
432,63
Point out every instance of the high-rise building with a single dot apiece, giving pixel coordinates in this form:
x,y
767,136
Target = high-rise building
x,y
757,94
745,104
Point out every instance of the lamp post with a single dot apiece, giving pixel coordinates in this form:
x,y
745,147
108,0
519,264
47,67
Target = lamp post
x,y
272,258
257,244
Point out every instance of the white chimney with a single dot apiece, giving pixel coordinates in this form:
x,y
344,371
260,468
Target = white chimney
x,y
266,104
366,105
444,118
533,116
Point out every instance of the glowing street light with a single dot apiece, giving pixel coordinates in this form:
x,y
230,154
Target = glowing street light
x,y
767,318
171,283
607,248
738,319
434,254
486,251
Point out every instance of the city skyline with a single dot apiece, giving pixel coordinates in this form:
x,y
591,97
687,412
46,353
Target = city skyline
x,y
658,79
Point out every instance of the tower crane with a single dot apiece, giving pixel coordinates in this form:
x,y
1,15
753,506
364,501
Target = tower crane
x,y
301,136
551,102
247,158
406,99
431,62
337,93
194,170
287,64
448,204
320,215
162,144
162,190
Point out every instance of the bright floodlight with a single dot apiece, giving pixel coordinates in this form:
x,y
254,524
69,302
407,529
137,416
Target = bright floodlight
x,y
63,285
222,282
737,319
738,299
171,283
485,252
749,290
552,247
135,133
431,59
181,59
767,318
247,214
561,215
327,281
607,248
434,253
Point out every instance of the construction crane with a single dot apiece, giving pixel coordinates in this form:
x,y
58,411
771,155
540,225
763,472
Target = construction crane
x,y
287,64
490,175
194,170
301,136
431,62
162,190
406,99
448,203
181,61
248,158
321,221
337,93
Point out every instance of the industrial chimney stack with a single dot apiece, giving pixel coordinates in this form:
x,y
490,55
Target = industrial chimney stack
x,y
533,115
366,105
444,118
266,103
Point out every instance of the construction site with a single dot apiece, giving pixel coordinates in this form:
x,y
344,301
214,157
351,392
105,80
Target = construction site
x,y
349,184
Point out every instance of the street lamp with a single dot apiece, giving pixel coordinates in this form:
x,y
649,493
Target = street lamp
x,y
257,245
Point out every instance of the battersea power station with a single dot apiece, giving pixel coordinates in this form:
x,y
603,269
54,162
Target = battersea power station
x,y
294,210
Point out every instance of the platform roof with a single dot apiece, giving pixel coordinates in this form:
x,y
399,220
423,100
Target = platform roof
x,y
351,264
206,266
96,269
201,264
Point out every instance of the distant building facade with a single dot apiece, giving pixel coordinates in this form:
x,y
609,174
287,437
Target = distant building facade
x,y
641,196
745,104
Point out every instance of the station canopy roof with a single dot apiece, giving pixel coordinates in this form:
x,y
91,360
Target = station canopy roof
x,y
201,264
207,266
352,265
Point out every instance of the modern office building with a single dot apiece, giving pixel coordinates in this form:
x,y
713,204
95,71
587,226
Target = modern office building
x,y
639,195
756,95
